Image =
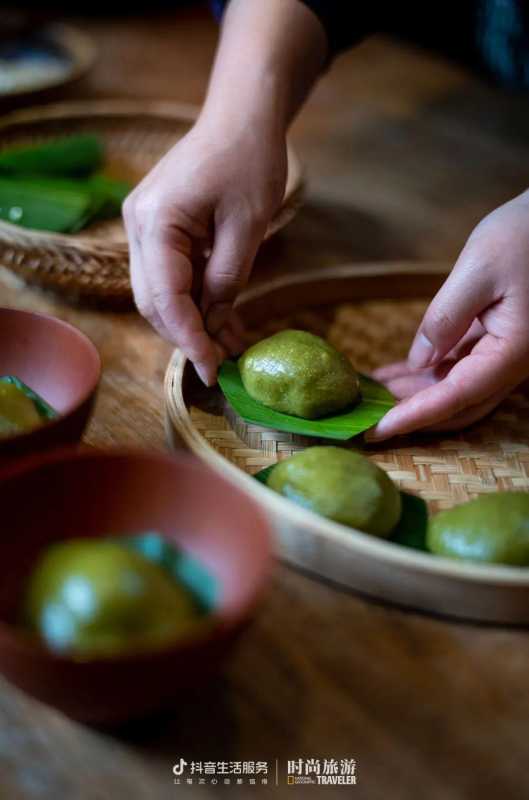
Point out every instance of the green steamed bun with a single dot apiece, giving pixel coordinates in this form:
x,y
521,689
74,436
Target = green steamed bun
x,y
93,598
493,529
300,374
341,485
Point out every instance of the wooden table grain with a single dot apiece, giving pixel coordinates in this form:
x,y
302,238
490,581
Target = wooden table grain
x,y
405,153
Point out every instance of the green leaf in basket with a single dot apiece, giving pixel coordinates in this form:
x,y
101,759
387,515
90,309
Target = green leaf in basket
x,y
44,409
412,526
411,530
183,568
110,194
60,205
45,205
69,156
262,475
375,402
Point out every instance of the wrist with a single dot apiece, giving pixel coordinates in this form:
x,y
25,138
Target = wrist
x,y
255,105
269,56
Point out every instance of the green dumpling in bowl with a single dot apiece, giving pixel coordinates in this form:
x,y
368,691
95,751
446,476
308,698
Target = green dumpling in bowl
x,y
96,598
341,485
297,373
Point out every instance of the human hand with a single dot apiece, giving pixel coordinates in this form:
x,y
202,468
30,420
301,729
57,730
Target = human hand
x,y
472,347
194,226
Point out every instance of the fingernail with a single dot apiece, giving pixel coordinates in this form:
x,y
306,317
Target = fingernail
x,y
217,316
384,429
205,375
375,435
421,352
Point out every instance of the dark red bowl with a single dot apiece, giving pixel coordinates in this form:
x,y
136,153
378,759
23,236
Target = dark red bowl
x,y
60,364
71,494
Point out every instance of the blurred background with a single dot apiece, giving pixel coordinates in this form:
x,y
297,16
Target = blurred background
x,y
405,147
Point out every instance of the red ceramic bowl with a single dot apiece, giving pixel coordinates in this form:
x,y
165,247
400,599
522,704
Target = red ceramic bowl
x,y
72,494
60,364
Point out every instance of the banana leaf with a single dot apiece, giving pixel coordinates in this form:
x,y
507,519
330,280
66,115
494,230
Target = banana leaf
x,y
375,402
413,523
183,568
34,203
111,194
44,409
60,205
69,156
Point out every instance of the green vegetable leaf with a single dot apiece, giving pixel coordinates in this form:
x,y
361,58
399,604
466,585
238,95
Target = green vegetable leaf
x,y
110,193
262,475
61,205
41,204
412,526
69,156
44,410
183,568
375,402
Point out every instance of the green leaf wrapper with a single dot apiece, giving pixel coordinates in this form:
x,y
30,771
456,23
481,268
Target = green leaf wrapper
x,y
43,206
70,156
412,526
60,205
374,403
183,568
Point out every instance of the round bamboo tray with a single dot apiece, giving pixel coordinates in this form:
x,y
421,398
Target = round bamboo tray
x,y
371,312
94,262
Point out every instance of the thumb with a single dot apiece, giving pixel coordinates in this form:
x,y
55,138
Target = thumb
x,y
228,270
466,293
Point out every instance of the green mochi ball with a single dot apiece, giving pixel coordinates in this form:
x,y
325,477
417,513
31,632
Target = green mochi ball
x,y
341,485
493,529
297,373
96,598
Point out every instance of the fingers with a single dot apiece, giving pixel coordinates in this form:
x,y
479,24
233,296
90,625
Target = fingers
x,y
141,288
467,292
162,277
403,368
472,414
492,367
404,381
230,339
413,381
166,259
390,371
228,269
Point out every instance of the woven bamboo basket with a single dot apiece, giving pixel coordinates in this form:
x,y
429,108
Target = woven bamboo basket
x,y
371,312
94,262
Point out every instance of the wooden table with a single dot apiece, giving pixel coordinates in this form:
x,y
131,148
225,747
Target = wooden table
x,y
405,154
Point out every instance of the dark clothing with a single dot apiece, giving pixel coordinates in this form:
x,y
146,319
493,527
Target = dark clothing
x,y
492,35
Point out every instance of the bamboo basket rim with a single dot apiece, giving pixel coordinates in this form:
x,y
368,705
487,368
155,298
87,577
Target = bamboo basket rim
x,y
178,415
123,108
79,47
